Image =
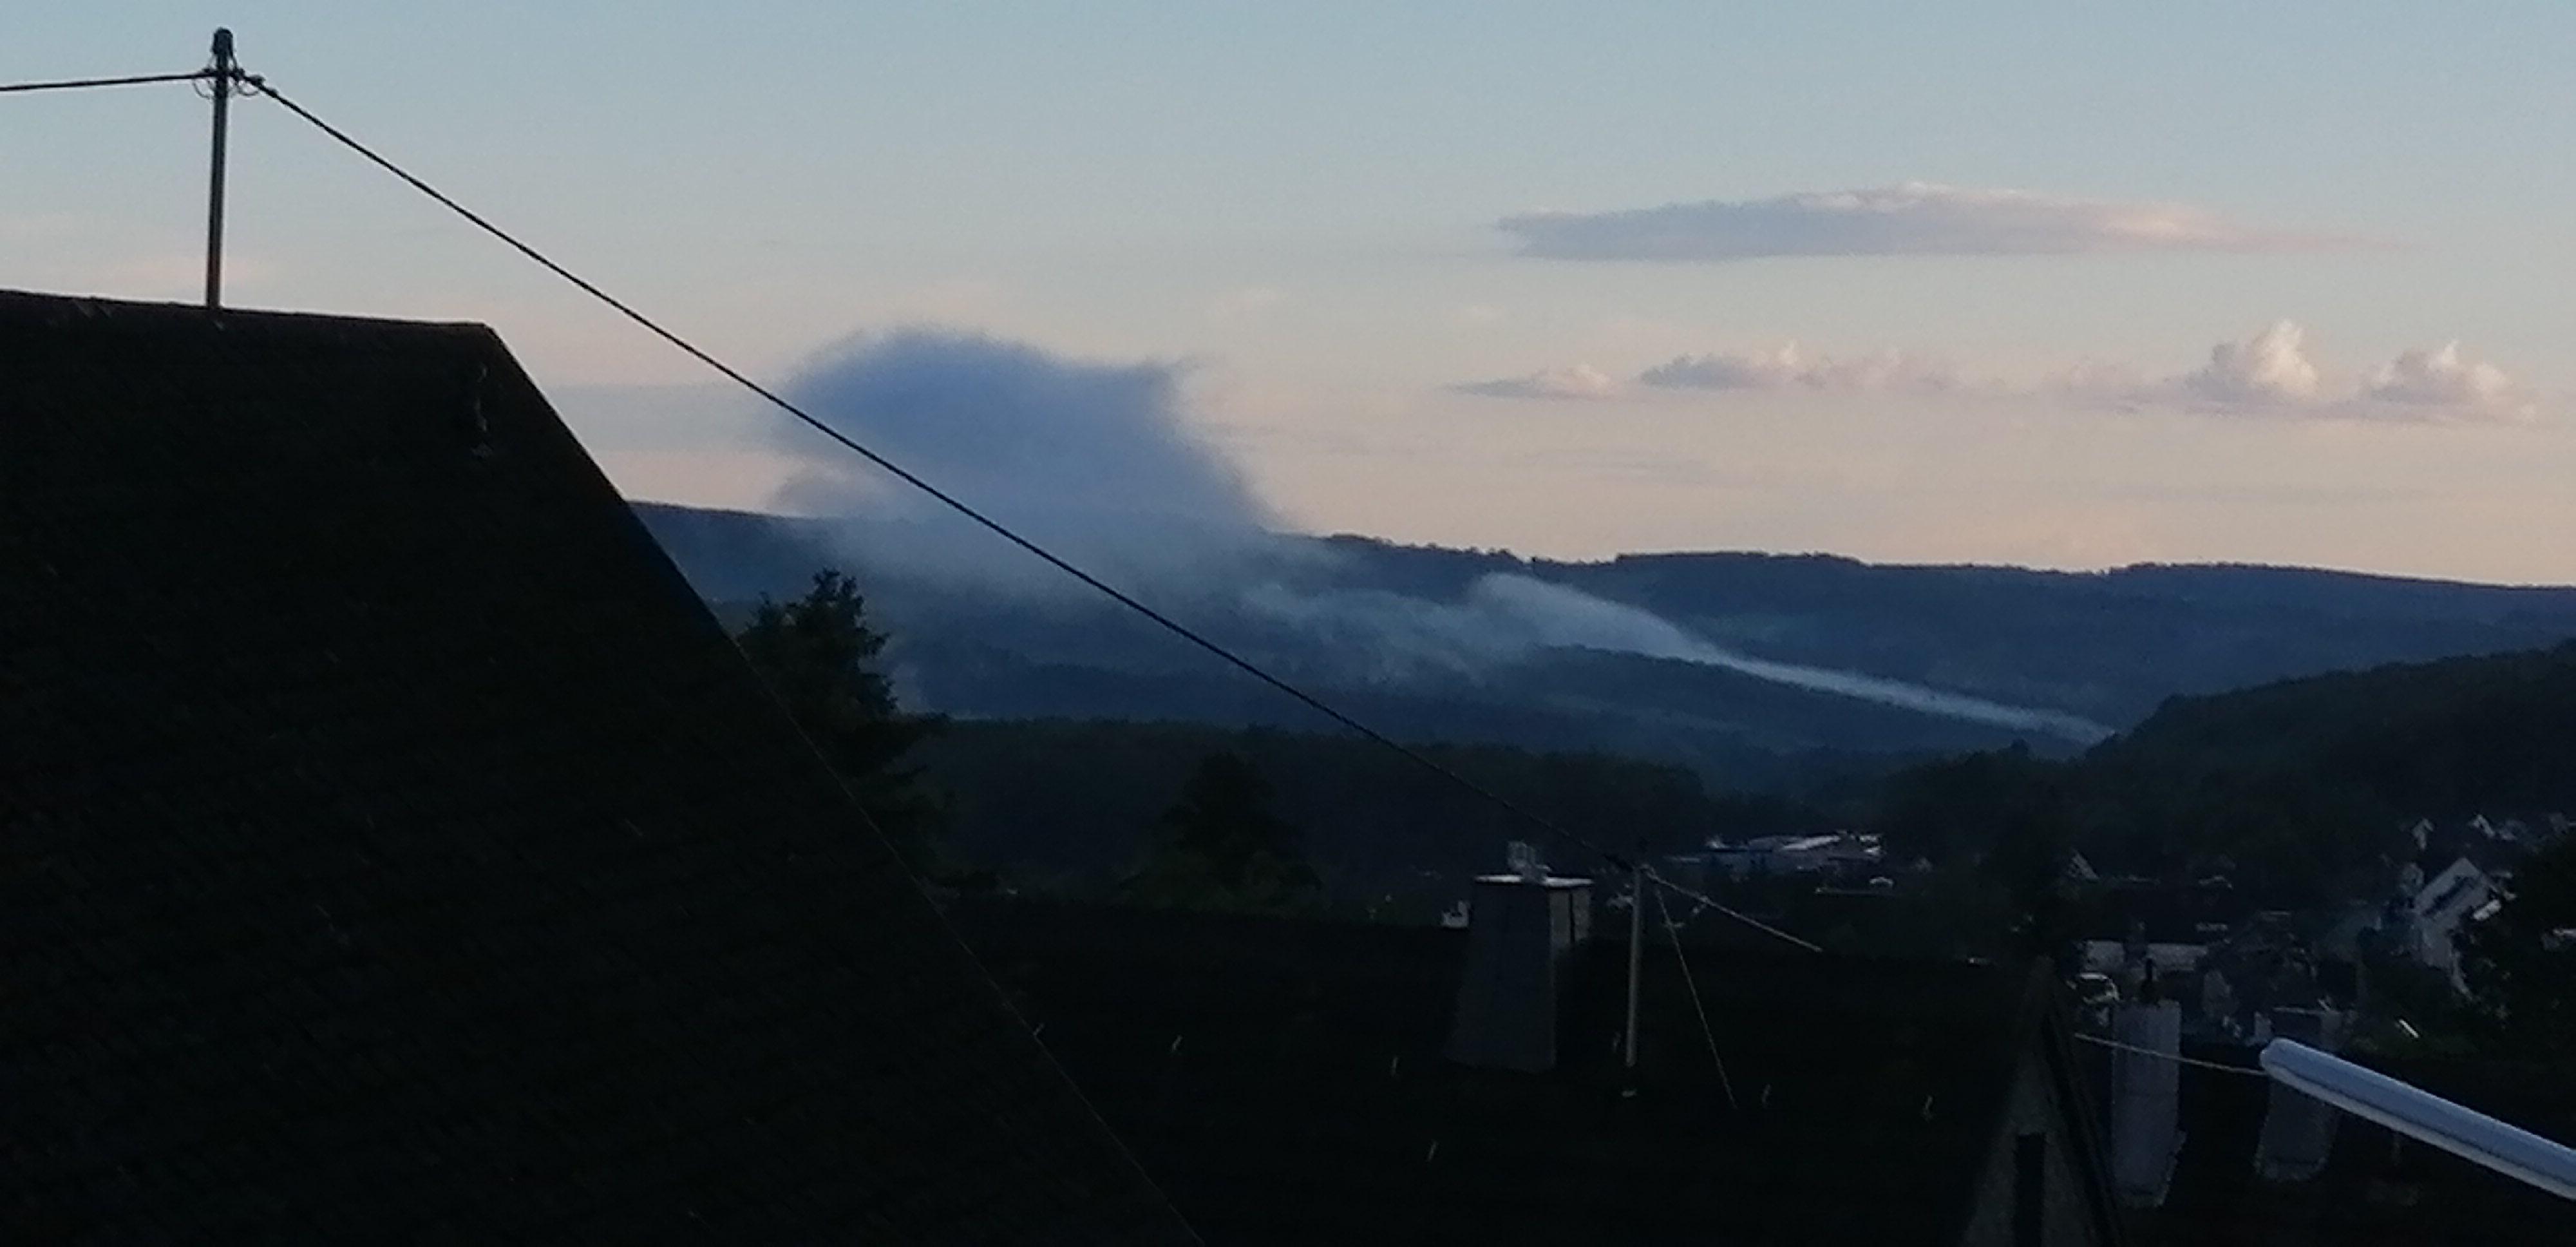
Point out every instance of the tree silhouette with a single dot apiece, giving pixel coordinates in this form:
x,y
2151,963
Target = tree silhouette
x,y
1220,846
817,654
2520,962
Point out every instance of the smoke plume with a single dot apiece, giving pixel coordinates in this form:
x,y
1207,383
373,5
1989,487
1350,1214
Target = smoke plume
x,y
1098,462
1094,460
1506,617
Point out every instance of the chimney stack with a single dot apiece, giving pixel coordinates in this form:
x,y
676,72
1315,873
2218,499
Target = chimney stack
x,y
2298,1128
1520,926
2146,1098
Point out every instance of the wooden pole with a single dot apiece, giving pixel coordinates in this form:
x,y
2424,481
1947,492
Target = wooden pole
x,y
1636,963
224,70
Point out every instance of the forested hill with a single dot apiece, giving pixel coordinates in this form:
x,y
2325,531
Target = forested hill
x,y
2112,644
1362,619
2299,789
2493,733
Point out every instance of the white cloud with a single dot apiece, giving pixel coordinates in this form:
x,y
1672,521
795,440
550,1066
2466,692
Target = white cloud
x,y
2269,373
1915,218
2270,368
2445,379
2272,373
1790,367
1582,381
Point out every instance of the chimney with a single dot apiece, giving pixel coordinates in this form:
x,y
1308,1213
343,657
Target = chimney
x,y
2298,1128
2146,1105
1520,926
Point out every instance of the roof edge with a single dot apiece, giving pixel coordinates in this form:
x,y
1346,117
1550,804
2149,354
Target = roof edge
x,y
16,302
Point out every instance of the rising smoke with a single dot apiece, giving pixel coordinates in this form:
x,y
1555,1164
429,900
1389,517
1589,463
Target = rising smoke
x,y
1095,460
1507,617
1099,462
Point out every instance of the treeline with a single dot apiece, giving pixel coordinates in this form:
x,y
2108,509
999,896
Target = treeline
x,y
2295,788
1070,805
1250,816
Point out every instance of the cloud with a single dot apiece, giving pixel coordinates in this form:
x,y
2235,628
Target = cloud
x,y
2270,368
1790,367
2272,373
2269,372
1915,218
1582,381
2444,379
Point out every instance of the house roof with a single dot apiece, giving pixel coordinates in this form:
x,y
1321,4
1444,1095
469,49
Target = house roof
x,y
2167,914
397,847
1283,1080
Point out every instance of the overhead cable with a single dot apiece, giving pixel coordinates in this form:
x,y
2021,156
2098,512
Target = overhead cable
x,y
1674,932
1617,860
81,84
1705,901
2175,1057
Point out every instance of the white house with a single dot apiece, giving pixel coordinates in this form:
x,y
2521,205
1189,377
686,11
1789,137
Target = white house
x,y
2441,906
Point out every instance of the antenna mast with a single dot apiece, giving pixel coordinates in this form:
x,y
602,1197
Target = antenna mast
x,y
222,73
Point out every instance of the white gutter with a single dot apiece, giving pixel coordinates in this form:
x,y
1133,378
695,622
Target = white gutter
x,y
2418,1114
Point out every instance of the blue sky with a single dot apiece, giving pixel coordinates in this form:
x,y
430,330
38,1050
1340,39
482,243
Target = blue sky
x,y
1299,207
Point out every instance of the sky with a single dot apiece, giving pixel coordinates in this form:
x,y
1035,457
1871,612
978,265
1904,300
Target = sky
x,y
2059,285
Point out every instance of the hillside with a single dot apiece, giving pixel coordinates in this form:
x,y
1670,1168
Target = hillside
x,y
2112,644
2300,786
2447,737
1411,637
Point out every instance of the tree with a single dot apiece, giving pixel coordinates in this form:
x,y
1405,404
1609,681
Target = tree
x,y
2520,962
2034,844
2008,815
1220,846
1955,808
817,654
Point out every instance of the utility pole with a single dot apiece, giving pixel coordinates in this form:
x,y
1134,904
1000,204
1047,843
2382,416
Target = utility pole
x,y
223,71
1636,963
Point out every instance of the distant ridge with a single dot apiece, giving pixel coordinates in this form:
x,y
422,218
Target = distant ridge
x,y
2108,645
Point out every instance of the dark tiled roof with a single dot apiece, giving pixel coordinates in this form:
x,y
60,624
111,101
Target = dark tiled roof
x,y
396,847
1283,1080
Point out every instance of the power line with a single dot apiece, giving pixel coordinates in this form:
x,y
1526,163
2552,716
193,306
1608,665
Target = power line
x,y
945,498
1704,901
1620,861
77,84
1674,933
2175,1057
259,84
